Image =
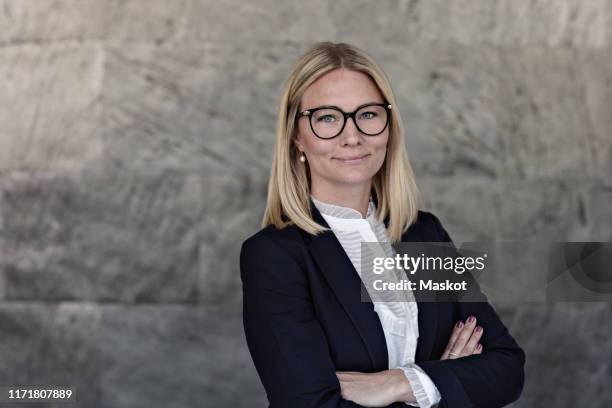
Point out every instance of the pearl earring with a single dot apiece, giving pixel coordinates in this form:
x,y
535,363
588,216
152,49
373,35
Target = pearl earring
x,y
302,158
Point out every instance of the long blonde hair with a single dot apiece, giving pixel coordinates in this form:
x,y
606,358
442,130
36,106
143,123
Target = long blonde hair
x,y
289,184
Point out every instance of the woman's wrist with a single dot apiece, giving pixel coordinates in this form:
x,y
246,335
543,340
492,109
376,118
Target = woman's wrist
x,y
401,386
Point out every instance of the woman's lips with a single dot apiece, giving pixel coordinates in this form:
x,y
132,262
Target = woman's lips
x,y
353,159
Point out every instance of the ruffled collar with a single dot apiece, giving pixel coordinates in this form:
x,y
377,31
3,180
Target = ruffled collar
x,y
337,211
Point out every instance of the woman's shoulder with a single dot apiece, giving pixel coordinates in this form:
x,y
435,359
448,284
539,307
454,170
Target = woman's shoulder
x,y
274,255
287,238
429,227
427,218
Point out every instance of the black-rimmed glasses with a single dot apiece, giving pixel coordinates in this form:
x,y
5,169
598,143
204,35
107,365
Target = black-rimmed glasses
x,y
328,122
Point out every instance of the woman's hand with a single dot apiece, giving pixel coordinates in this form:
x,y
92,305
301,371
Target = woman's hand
x,y
464,340
386,387
375,389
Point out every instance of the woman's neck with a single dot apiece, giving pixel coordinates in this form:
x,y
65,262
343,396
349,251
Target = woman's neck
x,y
356,198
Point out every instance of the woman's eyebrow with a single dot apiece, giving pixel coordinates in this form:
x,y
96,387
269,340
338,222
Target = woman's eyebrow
x,y
337,107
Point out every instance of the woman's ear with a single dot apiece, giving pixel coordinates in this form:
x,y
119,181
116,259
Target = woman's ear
x,y
297,141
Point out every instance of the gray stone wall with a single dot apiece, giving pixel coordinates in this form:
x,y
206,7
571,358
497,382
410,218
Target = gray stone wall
x,y
135,144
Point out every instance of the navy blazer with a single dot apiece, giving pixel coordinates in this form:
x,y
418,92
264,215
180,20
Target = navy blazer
x,y
304,320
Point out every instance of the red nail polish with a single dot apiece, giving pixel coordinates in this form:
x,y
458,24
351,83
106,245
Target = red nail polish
x,y
478,329
479,346
471,319
459,325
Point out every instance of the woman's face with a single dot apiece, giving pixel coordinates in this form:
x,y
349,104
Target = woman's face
x,y
329,168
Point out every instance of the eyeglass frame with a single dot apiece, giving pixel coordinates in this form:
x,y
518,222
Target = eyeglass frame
x,y
309,112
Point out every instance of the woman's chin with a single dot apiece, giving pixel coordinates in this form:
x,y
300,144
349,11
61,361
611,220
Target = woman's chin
x,y
356,179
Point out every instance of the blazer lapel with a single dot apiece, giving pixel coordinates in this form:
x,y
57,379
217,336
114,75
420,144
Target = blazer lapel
x,y
342,277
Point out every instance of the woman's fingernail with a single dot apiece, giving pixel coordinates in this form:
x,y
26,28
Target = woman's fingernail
x,y
478,329
459,325
471,319
478,346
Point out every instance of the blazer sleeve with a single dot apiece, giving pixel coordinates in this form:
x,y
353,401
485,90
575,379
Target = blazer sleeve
x,y
492,379
285,339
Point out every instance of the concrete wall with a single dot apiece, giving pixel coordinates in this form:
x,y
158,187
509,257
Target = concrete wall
x,y
135,144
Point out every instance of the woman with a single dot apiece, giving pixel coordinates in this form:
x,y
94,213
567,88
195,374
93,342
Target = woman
x,y
341,176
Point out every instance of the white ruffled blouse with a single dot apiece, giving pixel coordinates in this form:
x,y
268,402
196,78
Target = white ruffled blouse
x,y
398,316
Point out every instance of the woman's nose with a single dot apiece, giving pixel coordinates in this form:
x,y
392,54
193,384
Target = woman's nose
x,y
350,133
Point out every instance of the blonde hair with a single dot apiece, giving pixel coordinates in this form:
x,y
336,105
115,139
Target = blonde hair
x,y
289,184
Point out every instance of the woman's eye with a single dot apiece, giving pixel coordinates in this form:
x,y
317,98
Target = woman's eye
x,y
368,115
327,118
